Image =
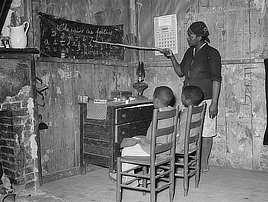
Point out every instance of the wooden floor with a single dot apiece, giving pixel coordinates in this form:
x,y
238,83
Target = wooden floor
x,y
218,185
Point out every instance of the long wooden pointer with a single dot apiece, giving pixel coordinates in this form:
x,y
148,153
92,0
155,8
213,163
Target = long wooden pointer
x,y
130,46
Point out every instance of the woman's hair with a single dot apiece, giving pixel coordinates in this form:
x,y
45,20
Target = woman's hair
x,y
164,94
199,28
192,95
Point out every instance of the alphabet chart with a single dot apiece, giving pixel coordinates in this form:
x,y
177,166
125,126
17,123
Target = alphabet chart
x,y
165,33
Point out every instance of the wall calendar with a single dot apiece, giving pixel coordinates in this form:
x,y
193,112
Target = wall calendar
x,y
165,33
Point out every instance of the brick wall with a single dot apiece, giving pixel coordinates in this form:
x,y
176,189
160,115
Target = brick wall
x,y
17,139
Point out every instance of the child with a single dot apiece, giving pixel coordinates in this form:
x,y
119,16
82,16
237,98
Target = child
x,y
140,145
191,95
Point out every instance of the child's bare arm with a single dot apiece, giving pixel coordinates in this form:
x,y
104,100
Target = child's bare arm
x,y
128,142
145,141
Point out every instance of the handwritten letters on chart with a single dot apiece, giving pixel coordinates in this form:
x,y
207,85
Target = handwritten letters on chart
x,y
68,39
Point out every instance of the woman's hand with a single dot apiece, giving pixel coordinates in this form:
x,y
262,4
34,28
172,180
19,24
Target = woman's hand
x,y
213,110
167,52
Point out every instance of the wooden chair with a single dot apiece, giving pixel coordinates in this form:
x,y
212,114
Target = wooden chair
x,y
157,170
187,162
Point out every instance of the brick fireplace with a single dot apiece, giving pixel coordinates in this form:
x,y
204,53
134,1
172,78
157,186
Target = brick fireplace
x,y
18,132
17,143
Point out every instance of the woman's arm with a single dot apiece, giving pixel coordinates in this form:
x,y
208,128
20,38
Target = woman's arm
x,y
169,54
215,69
213,108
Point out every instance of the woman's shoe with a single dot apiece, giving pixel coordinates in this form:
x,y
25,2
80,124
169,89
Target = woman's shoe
x,y
112,176
204,170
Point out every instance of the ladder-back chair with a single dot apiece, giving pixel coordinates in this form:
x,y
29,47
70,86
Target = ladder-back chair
x,y
157,170
187,162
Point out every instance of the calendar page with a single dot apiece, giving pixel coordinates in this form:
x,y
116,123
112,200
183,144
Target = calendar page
x,y
165,33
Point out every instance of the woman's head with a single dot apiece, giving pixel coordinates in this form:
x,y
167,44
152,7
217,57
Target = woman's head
x,y
191,95
197,32
162,97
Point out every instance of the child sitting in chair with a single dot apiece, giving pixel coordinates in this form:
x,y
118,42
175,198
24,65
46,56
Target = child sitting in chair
x,y
140,145
191,95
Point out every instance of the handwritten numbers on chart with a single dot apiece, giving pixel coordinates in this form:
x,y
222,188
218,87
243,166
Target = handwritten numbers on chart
x,y
76,39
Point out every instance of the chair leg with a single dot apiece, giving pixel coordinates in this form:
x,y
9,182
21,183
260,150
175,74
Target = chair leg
x,y
144,180
118,182
198,171
152,185
197,177
152,195
172,185
185,182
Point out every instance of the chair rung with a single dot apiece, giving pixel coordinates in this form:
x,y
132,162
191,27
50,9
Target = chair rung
x,y
159,161
165,180
136,175
164,167
162,162
136,188
147,189
132,169
162,187
192,151
136,162
192,162
190,174
180,175
160,175
130,181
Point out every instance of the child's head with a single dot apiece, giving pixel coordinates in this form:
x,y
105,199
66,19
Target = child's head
x,y
162,97
191,95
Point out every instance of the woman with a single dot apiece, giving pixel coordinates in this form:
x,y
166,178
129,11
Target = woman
x,y
201,66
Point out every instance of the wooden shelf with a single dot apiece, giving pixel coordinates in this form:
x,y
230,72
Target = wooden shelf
x,y
19,51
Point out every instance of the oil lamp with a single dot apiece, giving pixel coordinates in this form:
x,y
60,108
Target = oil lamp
x,y
140,86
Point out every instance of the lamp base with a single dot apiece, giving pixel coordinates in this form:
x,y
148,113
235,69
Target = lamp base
x,y
140,87
141,97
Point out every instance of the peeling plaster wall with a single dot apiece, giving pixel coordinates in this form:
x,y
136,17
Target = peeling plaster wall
x,y
237,27
242,112
242,118
239,31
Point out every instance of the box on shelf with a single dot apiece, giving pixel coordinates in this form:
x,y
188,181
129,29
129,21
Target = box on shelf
x,y
96,110
120,94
